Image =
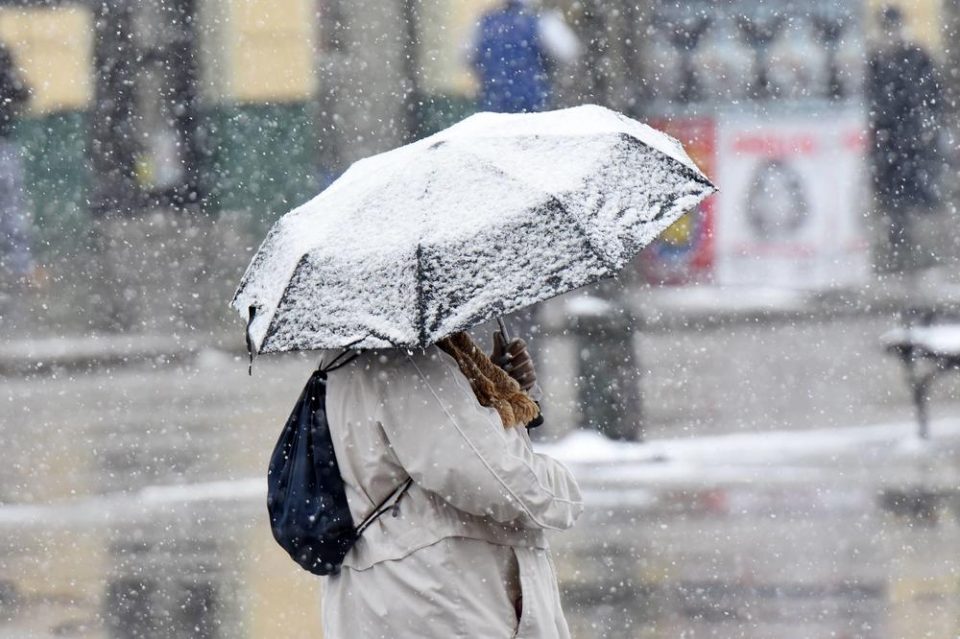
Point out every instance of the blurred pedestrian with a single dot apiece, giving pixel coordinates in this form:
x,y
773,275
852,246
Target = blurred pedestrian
x,y
515,48
464,551
16,261
905,103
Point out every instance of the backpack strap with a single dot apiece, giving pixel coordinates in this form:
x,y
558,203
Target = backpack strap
x,y
343,358
384,506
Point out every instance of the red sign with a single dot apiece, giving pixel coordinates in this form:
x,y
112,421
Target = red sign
x,y
684,253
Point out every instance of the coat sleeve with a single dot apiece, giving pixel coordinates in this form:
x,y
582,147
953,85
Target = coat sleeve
x,y
459,450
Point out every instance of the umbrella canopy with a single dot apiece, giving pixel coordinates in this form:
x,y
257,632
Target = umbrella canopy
x,y
493,214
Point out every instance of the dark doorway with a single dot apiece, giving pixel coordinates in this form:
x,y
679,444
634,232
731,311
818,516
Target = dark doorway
x,y
146,131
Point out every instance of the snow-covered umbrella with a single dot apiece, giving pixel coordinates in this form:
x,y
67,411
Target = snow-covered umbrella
x,y
488,216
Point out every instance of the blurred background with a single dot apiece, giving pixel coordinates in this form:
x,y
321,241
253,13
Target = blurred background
x,y
762,411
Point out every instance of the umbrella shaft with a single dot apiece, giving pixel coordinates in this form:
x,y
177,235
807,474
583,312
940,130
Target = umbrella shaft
x,y
503,329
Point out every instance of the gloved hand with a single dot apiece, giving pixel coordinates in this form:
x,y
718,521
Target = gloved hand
x,y
514,358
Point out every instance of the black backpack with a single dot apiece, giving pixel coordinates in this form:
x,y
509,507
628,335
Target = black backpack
x,y
306,499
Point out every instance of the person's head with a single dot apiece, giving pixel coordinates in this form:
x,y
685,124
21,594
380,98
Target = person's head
x,y
891,22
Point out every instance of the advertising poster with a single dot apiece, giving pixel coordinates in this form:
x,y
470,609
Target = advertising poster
x,y
684,252
793,195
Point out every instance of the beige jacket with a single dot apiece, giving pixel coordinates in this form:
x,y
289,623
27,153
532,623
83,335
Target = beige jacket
x,y
480,502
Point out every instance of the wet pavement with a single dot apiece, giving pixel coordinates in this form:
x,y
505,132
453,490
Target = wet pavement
x,y
855,538
133,506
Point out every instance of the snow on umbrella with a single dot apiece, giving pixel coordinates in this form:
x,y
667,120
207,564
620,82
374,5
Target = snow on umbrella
x,y
490,215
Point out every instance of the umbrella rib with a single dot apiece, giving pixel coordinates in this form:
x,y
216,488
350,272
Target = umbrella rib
x,y
421,301
555,203
552,201
694,175
258,259
271,330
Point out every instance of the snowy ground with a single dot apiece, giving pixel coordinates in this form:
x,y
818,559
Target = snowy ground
x,y
818,533
781,494
604,466
788,534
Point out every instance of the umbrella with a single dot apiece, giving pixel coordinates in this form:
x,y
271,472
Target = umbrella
x,y
488,216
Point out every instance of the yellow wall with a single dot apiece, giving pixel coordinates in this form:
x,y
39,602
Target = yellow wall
x,y
268,50
264,50
446,28
923,19
54,49
283,600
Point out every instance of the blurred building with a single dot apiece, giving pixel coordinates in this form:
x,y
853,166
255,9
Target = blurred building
x,y
54,47
254,105
222,104
769,97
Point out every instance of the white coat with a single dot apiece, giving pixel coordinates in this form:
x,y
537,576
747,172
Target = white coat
x,y
463,554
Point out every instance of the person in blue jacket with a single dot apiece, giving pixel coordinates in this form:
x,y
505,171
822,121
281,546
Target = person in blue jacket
x,y
514,50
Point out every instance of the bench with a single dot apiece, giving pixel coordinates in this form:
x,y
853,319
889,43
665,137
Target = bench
x,y
927,349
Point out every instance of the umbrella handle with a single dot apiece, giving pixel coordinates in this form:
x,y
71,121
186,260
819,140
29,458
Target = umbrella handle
x,y
503,328
251,313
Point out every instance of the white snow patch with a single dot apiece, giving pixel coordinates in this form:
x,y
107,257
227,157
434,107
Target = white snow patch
x,y
739,449
104,509
241,489
589,305
719,299
94,346
865,456
937,339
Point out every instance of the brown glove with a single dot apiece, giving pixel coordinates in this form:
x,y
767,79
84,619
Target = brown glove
x,y
514,358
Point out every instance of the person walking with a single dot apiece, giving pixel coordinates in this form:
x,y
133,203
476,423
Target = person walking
x,y
905,102
463,552
427,512
16,262
514,51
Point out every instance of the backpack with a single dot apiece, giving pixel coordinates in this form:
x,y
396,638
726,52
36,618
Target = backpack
x,y
306,499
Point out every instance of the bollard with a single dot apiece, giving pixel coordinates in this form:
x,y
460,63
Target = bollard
x,y
607,372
